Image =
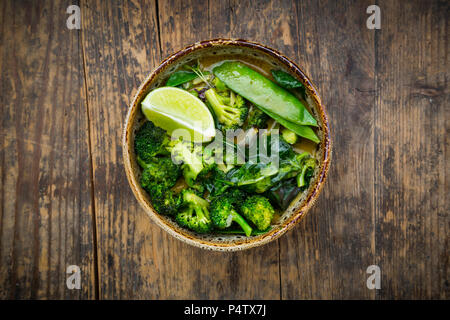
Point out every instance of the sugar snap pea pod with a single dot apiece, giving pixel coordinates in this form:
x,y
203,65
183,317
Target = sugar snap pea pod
x,y
264,93
302,131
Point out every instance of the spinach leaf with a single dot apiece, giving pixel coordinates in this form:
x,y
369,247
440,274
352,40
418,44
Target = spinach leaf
x,y
251,173
283,192
265,94
180,77
285,80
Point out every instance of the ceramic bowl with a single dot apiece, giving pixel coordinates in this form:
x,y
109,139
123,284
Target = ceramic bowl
x,y
298,207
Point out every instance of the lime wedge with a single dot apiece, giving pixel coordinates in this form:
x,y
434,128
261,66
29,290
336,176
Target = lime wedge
x,y
173,108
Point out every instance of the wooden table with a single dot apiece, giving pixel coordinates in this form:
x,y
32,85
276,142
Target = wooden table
x,y
65,199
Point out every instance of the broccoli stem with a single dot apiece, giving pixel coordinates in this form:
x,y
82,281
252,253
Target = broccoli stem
x,y
213,99
301,181
201,214
241,221
142,163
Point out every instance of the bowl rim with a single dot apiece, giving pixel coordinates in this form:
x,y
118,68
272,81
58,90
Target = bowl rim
x,y
296,215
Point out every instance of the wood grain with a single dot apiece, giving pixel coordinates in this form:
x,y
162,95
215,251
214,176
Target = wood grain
x,y
137,259
46,209
253,273
120,47
326,256
411,139
64,197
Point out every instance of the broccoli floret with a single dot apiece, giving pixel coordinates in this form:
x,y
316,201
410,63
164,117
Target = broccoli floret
x,y
230,110
198,163
158,176
150,141
164,200
257,118
194,215
258,210
159,171
208,163
235,195
190,156
223,213
304,177
288,135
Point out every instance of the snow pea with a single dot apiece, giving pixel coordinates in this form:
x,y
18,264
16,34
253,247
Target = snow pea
x,y
302,131
264,93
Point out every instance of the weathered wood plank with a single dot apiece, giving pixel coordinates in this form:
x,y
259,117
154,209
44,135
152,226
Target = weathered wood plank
x,y
45,196
137,259
411,140
326,255
120,45
385,201
248,274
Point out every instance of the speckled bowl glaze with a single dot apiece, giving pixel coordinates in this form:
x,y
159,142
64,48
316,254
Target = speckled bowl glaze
x,y
298,207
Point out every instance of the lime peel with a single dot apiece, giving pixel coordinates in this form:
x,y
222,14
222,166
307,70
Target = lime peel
x,y
173,108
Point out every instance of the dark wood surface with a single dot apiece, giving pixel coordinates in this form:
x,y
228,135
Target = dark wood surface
x,y
65,199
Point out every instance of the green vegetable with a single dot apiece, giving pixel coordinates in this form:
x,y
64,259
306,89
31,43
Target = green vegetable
x,y
219,85
164,200
194,214
197,162
258,176
229,109
150,141
215,181
159,171
253,177
290,166
285,80
302,131
204,76
283,192
264,93
180,77
304,177
239,194
190,156
257,118
223,212
289,135
258,210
